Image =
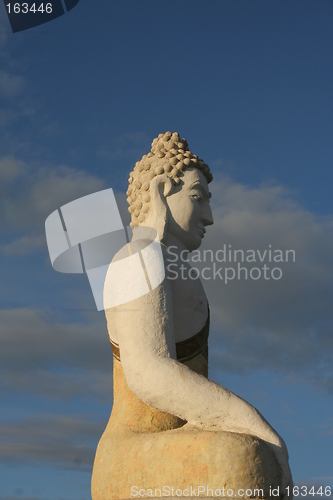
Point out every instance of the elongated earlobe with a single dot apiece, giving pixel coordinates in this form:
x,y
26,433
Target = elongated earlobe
x,y
168,187
160,187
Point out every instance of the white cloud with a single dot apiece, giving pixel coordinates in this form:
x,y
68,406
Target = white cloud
x,y
45,339
68,441
29,196
62,385
24,245
52,187
50,357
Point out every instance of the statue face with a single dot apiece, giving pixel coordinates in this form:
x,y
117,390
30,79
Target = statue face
x,y
189,209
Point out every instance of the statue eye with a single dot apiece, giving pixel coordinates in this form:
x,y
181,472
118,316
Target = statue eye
x,y
197,198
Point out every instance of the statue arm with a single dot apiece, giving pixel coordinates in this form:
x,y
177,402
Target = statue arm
x,y
147,349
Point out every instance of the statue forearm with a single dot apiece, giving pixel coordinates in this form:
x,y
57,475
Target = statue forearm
x,y
174,388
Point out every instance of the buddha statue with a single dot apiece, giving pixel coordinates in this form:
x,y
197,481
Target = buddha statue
x,y
170,426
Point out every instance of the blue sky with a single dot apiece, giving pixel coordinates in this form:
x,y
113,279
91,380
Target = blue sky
x,y
249,84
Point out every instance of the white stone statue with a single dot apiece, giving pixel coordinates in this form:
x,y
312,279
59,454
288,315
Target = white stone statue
x,y
170,425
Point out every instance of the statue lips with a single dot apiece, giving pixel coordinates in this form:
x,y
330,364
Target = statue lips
x,y
202,231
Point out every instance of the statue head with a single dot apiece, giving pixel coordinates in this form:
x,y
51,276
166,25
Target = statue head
x,y
168,190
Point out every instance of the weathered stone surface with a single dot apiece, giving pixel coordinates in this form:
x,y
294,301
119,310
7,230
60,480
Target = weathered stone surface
x,y
146,448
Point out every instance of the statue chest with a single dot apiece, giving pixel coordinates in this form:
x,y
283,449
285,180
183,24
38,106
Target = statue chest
x,y
190,306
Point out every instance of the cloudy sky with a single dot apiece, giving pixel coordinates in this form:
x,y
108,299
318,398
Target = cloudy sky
x,y
249,84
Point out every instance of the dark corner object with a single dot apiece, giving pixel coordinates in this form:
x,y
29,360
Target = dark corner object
x,y
27,14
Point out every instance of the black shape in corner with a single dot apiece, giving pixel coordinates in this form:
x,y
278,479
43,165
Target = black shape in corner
x,y
70,4
28,14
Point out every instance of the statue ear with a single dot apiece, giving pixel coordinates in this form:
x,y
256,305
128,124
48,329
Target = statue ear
x,y
160,187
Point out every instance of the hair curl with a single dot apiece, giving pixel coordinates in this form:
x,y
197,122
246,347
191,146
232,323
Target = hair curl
x,y
169,154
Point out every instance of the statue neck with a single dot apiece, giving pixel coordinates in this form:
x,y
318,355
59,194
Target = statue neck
x,y
170,240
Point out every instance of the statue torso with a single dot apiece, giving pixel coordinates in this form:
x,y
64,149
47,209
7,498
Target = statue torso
x,y
190,307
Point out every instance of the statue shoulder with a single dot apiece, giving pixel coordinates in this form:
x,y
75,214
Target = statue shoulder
x,y
136,270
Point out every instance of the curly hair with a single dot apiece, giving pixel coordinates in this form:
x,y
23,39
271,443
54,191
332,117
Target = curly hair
x,y
169,154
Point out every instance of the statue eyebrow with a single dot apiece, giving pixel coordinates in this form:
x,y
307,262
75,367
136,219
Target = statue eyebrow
x,y
207,194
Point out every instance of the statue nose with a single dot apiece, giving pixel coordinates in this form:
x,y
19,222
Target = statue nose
x,y
207,217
